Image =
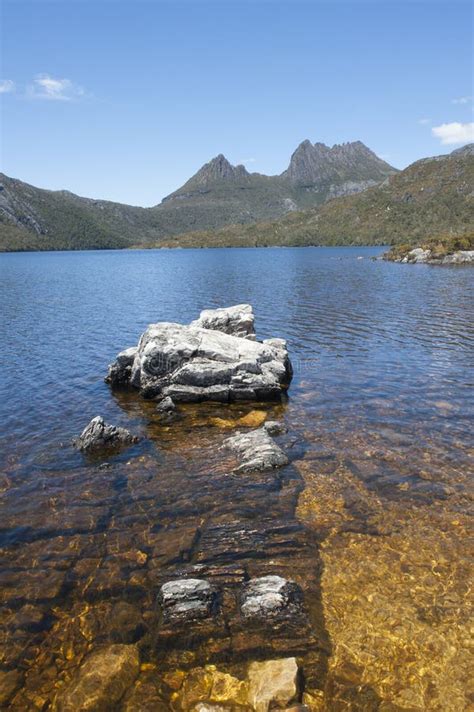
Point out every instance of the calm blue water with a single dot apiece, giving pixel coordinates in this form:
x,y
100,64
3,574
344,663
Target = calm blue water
x,y
358,330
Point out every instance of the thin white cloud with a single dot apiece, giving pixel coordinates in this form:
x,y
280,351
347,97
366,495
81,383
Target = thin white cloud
x,y
47,87
247,160
6,86
454,132
424,122
462,100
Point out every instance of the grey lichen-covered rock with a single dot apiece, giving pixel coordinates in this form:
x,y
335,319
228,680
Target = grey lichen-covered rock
x,y
237,321
98,435
187,599
101,681
256,450
270,597
192,363
273,684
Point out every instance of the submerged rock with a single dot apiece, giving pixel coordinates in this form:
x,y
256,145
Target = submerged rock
x,y
197,363
256,451
10,681
187,599
99,435
271,597
167,405
167,411
273,427
207,688
101,681
273,683
237,321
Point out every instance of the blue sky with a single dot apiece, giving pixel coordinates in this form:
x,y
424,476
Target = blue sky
x,y
126,100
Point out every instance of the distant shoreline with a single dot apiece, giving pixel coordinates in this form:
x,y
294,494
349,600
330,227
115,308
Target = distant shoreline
x,y
189,247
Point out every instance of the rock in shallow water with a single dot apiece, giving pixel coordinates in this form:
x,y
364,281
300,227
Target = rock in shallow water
x,y
256,451
187,599
99,435
203,361
270,597
272,683
101,681
273,427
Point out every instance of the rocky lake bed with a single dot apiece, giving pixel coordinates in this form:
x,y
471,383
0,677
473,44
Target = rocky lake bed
x,y
244,532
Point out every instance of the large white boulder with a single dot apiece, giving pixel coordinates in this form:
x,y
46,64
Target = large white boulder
x,y
193,363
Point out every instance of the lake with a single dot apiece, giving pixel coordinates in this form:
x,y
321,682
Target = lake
x,y
371,518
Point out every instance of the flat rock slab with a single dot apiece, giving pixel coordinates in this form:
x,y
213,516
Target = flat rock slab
x,y
270,597
256,451
187,600
98,435
215,358
101,681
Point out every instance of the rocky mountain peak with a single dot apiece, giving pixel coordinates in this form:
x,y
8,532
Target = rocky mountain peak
x,y
318,165
216,171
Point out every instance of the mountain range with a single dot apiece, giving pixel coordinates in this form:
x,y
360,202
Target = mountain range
x,y
219,194
339,195
432,197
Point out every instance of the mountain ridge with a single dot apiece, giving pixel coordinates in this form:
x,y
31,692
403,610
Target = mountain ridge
x,y
217,197
432,196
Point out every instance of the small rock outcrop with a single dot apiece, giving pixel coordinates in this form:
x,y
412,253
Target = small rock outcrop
x,y
458,258
271,597
441,251
417,255
273,683
214,358
256,450
98,435
101,681
187,599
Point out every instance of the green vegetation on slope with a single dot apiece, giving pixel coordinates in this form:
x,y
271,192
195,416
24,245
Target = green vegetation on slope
x,y
218,194
430,197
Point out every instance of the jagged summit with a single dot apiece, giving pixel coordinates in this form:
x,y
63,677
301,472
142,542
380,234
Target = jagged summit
x,y
317,164
216,170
